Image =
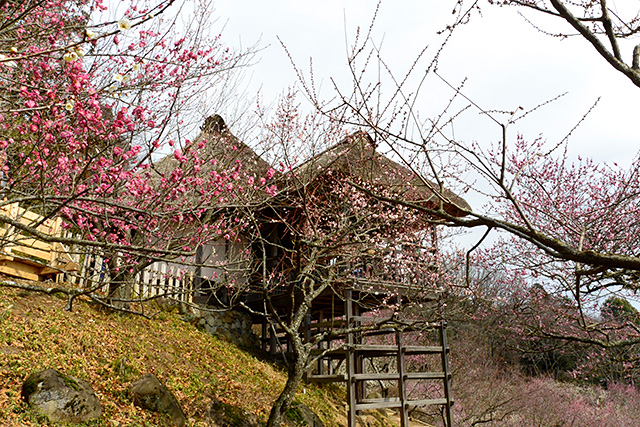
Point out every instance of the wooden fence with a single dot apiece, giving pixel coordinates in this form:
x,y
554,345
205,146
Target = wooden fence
x,y
24,256
164,279
160,279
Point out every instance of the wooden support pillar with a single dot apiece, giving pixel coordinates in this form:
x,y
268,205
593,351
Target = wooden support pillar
x,y
265,334
272,341
307,337
307,326
351,385
402,374
321,345
361,391
402,386
445,369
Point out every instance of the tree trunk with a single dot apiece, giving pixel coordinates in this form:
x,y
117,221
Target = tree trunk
x,y
119,285
296,371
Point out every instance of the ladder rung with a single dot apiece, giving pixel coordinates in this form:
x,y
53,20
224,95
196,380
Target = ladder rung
x,y
425,375
395,403
327,378
333,353
425,402
372,377
378,404
394,376
392,349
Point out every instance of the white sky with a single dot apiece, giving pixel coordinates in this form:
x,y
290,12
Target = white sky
x,y
508,63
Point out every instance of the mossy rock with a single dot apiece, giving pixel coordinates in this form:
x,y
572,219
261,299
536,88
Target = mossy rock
x,y
223,414
301,415
61,397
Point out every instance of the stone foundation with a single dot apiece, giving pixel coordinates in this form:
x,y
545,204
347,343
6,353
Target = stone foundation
x,y
232,325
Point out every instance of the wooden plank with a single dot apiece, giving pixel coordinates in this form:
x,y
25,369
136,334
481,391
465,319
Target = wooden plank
x,y
328,324
70,266
321,345
48,270
18,270
402,387
425,375
376,348
394,376
30,242
396,403
327,378
390,350
61,254
376,377
423,349
378,404
29,218
426,402
445,368
28,253
351,386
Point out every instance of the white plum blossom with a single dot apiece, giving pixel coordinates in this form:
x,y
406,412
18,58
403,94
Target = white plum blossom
x,y
70,56
5,60
124,24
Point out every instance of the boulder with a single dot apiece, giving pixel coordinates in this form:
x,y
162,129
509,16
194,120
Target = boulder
x,y
61,397
150,394
301,415
224,415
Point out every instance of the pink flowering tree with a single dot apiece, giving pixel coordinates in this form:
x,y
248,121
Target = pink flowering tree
x,y
568,312
91,99
568,225
322,233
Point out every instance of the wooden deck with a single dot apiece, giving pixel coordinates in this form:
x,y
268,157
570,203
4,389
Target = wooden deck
x,y
22,255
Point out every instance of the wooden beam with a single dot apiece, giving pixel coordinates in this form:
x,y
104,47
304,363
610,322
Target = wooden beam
x,y
402,387
445,368
16,269
351,382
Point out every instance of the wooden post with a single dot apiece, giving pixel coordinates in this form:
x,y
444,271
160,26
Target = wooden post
x,y
272,341
361,391
402,387
307,336
264,338
351,386
321,345
402,371
445,369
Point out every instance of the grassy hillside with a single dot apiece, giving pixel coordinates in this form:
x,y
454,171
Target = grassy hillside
x,y
112,350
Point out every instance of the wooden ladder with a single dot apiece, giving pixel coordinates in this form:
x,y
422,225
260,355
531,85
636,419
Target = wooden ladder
x,y
355,351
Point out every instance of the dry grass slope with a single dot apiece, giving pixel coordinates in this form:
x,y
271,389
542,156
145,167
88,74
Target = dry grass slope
x,y
111,350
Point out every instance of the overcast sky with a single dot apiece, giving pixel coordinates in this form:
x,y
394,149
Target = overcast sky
x,y
507,62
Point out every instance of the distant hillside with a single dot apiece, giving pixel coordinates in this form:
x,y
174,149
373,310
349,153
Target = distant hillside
x,y
112,350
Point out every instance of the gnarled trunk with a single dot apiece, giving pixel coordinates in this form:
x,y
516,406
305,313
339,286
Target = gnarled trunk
x,y
297,368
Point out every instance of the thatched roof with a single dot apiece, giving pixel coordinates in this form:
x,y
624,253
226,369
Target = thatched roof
x,y
220,144
356,157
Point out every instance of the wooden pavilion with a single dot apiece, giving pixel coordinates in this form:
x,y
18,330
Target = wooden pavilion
x,y
348,305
